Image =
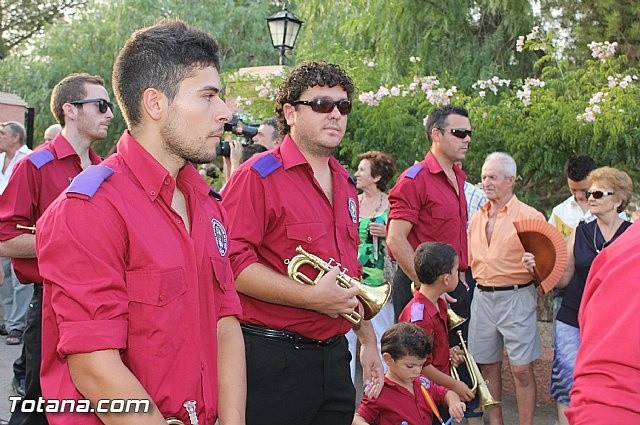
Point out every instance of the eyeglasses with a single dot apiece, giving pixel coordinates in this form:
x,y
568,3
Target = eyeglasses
x,y
102,104
324,106
598,194
460,133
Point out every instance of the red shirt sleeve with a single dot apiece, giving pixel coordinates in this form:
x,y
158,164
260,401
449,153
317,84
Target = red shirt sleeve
x,y
83,272
246,228
404,200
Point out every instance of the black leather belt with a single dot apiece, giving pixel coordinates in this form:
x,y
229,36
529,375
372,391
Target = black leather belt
x,y
288,336
504,288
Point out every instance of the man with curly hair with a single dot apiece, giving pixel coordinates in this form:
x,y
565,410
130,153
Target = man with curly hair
x,y
298,194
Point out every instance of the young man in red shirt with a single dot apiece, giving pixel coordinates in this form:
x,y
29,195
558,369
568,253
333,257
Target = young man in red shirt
x,y
135,253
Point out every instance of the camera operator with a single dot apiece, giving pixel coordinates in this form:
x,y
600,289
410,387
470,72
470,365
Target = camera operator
x,y
231,148
268,134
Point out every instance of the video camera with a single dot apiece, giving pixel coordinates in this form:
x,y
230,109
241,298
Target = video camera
x,y
236,126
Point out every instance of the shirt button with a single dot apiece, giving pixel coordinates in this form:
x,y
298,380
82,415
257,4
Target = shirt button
x,y
152,193
167,180
201,366
161,297
308,238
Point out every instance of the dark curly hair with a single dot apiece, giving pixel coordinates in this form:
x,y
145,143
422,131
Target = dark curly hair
x,y
579,166
406,339
382,165
307,75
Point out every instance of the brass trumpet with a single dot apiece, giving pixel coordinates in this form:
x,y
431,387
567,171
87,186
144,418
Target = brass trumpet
x,y
371,297
453,319
486,401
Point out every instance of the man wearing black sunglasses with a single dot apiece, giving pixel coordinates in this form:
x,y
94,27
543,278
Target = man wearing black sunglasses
x,y
428,203
36,181
298,194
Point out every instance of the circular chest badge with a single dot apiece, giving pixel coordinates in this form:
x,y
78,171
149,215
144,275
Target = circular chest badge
x,y
220,235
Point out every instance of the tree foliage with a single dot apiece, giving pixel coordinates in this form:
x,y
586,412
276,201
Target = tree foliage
x,y
91,40
22,19
593,109
612,20
461,39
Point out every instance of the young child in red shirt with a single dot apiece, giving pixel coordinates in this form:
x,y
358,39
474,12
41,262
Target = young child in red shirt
x,y
404,349
437,268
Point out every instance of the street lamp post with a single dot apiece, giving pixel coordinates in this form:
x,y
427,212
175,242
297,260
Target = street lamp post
x,y
283,27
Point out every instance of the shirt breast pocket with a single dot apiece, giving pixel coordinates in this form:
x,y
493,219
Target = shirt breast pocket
x,y
222,273
156,309
305,234
440,212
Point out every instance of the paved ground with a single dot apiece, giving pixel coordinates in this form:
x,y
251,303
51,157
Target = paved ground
x,y
8,353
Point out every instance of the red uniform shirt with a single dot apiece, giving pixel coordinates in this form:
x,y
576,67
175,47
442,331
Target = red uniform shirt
x,y
606,387
36,181
424,197
275,204
122,272
433,321
395,404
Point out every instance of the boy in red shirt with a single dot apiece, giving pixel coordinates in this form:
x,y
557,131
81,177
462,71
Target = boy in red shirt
x,y
404,349
436,266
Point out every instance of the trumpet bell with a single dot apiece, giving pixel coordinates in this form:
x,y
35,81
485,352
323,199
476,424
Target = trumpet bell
x,y
372,298
453,319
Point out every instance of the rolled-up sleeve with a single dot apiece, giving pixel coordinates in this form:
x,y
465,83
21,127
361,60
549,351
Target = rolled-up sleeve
x,y
83,272
404,201
245,202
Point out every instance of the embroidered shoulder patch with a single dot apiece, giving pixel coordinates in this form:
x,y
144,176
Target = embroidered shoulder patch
x,y
417,312
41,157
89,181
266,165
414,170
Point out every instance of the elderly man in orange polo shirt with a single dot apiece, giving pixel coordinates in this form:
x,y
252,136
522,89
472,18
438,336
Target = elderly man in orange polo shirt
x,y
503,310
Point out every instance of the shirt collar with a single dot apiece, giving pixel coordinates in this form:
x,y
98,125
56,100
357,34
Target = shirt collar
x,y
62,148
429,308
507,206
151,174
434,167
292,156
24,149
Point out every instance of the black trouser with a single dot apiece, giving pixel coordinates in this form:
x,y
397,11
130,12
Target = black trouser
x,y
32,349
401,293
308,385
20,366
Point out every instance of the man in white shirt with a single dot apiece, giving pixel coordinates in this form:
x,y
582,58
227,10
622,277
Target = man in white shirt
x,y
12,149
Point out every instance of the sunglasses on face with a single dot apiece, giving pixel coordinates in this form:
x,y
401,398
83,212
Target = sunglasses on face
x,y
324,106
598,194
460,133
102,104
